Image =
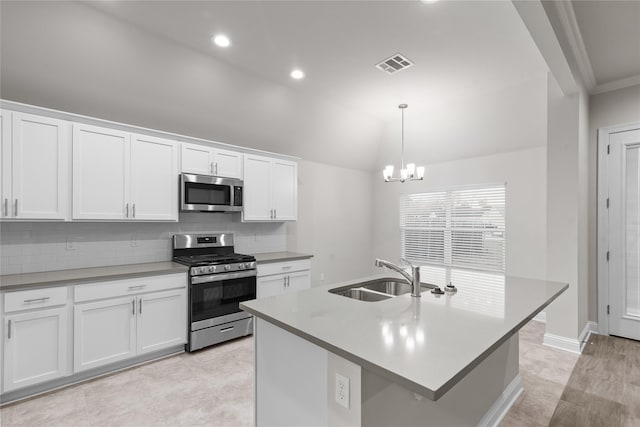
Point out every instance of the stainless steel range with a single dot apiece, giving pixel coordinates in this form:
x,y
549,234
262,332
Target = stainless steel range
x,y
219,279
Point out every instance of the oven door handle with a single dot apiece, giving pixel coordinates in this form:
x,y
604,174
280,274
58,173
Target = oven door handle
x,y
196,280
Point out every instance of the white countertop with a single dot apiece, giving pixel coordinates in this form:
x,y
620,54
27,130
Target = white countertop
x,y
425,344
85,275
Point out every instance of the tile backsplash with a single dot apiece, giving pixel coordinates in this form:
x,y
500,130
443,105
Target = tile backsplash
x,y
46,246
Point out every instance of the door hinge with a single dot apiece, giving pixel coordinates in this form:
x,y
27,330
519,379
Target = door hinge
x,y
607,308
607,256
607,203
608,148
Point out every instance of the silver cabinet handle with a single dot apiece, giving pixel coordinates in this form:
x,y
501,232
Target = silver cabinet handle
x,y
133,210
227,329
9,330
6,207
271,214
216,168
126,209
140,306
275,214
133,307
131,288
37,299
288,281
16,211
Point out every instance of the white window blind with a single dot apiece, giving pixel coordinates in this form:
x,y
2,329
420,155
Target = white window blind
x,y
455,228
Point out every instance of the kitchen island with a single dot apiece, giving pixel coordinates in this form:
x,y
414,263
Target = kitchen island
x,y
325,359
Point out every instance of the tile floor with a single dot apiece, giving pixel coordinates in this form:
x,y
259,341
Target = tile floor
x,y
214,387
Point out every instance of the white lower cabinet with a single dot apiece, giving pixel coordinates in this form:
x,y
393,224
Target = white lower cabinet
x,y
121,319
162,320
104,332
272,281
35,347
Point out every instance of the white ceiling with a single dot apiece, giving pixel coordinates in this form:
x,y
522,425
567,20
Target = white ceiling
x,y
459,47
151,63
609,34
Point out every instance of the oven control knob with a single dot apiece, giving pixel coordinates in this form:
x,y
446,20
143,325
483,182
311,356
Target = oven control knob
x,y
209,269
240,266
227,267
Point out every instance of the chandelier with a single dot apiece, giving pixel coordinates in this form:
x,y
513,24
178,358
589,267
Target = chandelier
x,y
409,173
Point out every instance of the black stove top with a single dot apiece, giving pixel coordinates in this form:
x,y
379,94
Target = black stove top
x,y
200,260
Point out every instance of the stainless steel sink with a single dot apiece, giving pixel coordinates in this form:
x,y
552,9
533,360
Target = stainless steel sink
x,y
377,290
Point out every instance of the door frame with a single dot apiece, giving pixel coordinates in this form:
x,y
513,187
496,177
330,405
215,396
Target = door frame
x,y
603,220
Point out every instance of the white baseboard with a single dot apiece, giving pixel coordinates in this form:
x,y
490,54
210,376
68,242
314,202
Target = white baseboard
x,y
571,344
500,407
541,317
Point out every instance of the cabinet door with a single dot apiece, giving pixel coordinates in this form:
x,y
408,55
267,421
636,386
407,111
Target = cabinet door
x,y
227,163
162,320
101,165
257,204
104,332
284,190
40,167
197,159
35,346
298,281
270,286
154,179
5,163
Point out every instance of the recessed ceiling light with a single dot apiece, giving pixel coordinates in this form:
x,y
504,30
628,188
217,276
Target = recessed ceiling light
x,y
221,40
297,74
428,1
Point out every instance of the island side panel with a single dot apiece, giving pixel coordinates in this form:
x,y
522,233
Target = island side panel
x,y
478,399
291,379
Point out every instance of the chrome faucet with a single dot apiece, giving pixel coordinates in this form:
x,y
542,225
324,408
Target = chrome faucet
x,y
413,278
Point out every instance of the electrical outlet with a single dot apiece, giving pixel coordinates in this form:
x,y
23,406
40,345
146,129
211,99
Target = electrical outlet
x,y
342,390
71,245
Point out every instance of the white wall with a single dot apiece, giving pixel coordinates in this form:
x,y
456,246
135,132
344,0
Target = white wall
x,y
524,171
606,109
42,246
334,221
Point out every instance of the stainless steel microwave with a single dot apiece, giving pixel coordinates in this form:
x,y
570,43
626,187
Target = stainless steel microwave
x,y
210,193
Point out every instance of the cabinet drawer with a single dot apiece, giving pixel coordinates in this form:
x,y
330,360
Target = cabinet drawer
x,y
117,288
36,298
283,267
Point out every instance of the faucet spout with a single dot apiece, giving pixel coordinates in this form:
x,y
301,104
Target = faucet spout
x,y
413,278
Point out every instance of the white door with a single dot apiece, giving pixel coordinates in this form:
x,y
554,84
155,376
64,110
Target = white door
x,y
40,162
257,203
35,346
284,190
624,234
298,281
154,179
101,166
270,286
162,320
104,332
227,163
5,162
197,159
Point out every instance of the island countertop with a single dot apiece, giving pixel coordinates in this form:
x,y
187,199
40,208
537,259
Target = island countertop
x,y
424,344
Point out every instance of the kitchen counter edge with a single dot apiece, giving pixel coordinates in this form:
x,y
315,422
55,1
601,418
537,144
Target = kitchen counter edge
x,y
45,279
269,257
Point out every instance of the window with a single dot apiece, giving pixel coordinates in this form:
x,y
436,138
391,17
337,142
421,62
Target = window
x,y
455,228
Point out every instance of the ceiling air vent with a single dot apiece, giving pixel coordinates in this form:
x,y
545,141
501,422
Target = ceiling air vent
x,y
394,63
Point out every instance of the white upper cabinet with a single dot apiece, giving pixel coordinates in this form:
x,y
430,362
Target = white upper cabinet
x,y
119,176
270,189
203,160
154,178
35,162
101,167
